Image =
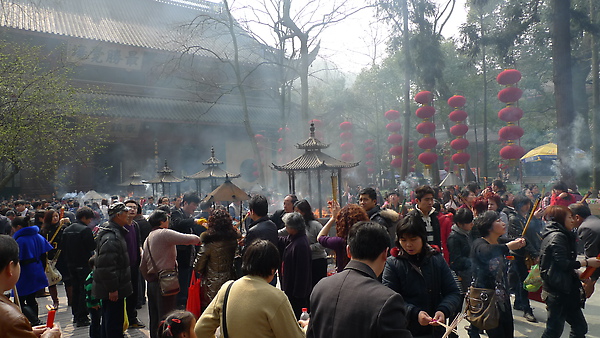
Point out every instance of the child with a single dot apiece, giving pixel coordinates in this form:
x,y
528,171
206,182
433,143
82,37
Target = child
x,y
92,303
179,324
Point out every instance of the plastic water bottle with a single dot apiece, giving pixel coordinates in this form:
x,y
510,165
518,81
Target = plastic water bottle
x,y
304,315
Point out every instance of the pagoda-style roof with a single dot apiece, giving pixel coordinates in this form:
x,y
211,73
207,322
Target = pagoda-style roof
x,y
135,180
165,175
213,170
313,158
312,143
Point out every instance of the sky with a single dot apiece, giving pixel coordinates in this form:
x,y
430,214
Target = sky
x,y
353,43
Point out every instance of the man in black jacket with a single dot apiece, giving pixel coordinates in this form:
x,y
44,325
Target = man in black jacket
x,y
112,274
353,303
367,198
182,220
425,214
288,206
77,245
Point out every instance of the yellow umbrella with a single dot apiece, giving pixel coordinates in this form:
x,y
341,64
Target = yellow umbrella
x,y
547,151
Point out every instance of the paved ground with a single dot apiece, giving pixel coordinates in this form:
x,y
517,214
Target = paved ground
x,y
522,327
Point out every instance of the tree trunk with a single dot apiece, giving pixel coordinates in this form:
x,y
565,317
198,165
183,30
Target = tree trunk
x,y
595,109
407,113
563,87
14,171
240,85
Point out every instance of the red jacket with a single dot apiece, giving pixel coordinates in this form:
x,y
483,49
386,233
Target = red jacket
x,y
445,229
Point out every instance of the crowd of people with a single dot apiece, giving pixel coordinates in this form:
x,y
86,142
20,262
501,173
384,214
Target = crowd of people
x,y
395,268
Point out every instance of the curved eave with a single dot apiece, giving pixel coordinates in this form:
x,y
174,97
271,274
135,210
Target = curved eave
x,y
212,161
212,172
314,160
312,143
166,179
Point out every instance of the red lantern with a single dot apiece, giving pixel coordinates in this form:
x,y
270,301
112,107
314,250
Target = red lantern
x,y
512,152
259,138
369,142
411,142
458,115
427,143
345,126
367,155
394,139
347,157
511,133
346,136
510,114
369,163
392,115
425,112
280,150
461,158
459,144
347,146
370,170
457,101
394,127
509,77
396,163
369,149
424,97
426,127
395,151
428,158
510,94
459,129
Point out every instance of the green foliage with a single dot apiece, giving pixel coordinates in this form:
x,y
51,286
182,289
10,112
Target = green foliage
x,y
45,120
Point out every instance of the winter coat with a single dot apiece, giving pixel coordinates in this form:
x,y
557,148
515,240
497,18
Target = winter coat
x,y
516,224
31,247
77,245
215,262
558,261
428,287
459,247
112,268
296,271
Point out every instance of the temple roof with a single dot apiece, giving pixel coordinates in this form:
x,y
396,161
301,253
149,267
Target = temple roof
x,y
213,170
165,175
154,24
312,143
135,180
314,160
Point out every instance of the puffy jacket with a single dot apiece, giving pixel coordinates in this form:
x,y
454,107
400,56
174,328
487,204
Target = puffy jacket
x,y
215,262
459,247
558,261
77,244
111,270
516,224
430,287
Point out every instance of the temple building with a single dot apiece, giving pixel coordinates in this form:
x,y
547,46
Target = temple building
x,y
163,71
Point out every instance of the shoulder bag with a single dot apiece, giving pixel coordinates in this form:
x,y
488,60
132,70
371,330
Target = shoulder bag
x,y
482,306
54,276
224,319
167,278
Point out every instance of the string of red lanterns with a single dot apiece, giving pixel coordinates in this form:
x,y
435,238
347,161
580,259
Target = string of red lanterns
x,y
346,137
369,148
460,143
395,139
511,114
428,143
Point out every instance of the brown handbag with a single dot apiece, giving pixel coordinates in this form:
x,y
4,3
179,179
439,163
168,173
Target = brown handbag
x,y
168,279
482,308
